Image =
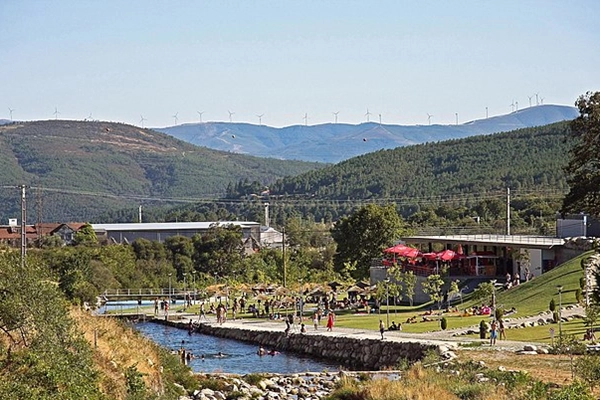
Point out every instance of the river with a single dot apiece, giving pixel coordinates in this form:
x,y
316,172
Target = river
x,y
239,357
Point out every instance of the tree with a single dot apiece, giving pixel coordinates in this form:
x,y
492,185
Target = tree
x,y
583,172
363,236
432,286
219,251
85,236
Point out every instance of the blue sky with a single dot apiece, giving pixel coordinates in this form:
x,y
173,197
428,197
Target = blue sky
x,y
118,60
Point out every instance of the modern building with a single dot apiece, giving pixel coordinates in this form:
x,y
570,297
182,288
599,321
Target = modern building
x,y
159,231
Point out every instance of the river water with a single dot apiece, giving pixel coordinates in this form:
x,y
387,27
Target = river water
x,y
239,357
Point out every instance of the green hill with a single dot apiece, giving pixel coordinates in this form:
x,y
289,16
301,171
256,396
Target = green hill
x,y
442,184
86,168
526,159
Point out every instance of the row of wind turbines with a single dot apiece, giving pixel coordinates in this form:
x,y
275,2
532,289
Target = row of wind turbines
x,y
514,107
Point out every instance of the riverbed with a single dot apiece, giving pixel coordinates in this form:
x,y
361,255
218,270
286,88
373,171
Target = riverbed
x,y
238,357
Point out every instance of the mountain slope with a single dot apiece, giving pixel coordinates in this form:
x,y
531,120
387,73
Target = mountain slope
x,y
526,159
335,142
68,159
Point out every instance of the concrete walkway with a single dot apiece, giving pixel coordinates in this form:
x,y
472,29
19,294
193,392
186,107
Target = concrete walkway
x,y
437,338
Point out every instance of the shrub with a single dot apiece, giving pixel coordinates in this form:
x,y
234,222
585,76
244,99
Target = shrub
x,y
588,369
552,305
499,313
253,379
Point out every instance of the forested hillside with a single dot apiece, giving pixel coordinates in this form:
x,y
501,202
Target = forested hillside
x,y
457,184
85,168
527,159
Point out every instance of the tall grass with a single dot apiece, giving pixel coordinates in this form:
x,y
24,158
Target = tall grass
x,y
117,348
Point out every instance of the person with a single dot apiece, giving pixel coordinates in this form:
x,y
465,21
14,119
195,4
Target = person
x,y
393,327
502,330
287,326
302,328
261,351
202,357
190,327
156,306
316,321
589,335
220,355
330,321
381,328
493,333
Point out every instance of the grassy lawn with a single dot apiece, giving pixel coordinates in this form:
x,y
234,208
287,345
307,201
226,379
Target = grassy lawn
x,y
529,299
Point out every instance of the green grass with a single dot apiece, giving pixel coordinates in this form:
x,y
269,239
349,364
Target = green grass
x,y
529,299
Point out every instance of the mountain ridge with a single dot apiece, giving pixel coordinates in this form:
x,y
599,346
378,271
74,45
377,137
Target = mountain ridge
x,y
331,143
86,168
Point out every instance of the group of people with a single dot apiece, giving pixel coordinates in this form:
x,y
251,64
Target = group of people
x,y
497,331
262,352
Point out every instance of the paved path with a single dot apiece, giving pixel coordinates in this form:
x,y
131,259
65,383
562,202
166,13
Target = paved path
x,y
436,338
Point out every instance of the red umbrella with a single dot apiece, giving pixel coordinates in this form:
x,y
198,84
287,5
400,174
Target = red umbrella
x,y
397,249
447,255
430,256
410,252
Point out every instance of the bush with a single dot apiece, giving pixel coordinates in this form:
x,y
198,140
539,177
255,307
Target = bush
x,y
552,305
444,323
499,313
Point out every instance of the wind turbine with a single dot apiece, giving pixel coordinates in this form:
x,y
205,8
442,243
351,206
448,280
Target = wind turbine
x,y
56,112
89,117
335,114
541,100
367,114
456,115
379,118
530,97
260,119
305,118
429,118
517,105
230,115
142,119
200,114
486,113
537,101
10,111
175,117
512,106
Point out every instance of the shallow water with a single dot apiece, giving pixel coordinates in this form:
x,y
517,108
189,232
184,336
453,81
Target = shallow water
x,y
240,357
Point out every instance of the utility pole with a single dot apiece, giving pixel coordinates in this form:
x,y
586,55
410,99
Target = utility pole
x,y
508,211
284,263
38,203
23,226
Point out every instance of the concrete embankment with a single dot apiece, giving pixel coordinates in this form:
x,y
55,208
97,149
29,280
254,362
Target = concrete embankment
x,y
357,350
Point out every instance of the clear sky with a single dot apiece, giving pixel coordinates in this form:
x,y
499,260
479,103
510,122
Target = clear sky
x,y
119,60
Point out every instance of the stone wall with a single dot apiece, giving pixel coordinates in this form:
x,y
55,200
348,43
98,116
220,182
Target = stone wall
x,y
355,353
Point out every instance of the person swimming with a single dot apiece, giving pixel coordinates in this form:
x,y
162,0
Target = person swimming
x,y
220,355
273,352
261,351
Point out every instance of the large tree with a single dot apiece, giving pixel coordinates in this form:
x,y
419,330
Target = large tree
x,y
583,170
363,236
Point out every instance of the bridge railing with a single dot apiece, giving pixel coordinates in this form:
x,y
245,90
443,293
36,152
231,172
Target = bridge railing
x,y
160,292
